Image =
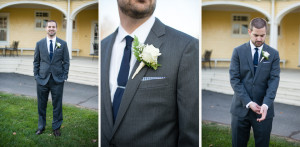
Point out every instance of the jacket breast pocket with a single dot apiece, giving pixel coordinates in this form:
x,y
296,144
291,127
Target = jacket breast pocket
x,y
58,52
153,84
266,66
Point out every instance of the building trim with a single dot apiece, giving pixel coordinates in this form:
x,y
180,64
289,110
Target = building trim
x,y
237,4
285,11
82,7
33,2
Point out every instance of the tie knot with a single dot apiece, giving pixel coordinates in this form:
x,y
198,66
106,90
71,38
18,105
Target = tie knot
x,y
50,41
129,40
256,49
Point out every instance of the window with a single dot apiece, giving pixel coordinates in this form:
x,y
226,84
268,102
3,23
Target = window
x,y
64,24
4,28
41,19
240,24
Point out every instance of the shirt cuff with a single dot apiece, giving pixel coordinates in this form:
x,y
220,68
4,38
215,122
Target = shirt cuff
x,y
266,106
247,106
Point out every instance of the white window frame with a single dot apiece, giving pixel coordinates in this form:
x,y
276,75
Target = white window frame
x,y
65,19
93,35
3,43
41,18
240,23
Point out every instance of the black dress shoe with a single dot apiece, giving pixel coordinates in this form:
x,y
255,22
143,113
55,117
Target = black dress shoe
x,y
56,132
38,132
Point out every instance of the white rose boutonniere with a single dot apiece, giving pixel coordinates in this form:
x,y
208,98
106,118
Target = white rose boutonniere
x,y
265,55
58,45
146,54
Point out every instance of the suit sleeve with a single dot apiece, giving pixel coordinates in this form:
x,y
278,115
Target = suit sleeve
x,y
66,61
36,61
235,79
273,81
188,96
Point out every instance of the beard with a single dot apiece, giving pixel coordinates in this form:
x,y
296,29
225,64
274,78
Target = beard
x,y
51,33
258,43
133,11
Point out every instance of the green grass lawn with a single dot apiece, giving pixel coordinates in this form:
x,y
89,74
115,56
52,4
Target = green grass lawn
x,y
217,135
19,120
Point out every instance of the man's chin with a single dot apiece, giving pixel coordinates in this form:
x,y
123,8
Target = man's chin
x,y
51,35
258,44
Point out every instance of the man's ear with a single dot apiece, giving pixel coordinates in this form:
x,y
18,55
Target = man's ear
x,y
249,31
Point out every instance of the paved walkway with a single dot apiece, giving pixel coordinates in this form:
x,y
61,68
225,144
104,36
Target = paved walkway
x,y
75,94
216,107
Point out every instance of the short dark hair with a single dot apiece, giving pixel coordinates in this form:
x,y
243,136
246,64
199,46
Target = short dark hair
x,y
52,21
258,23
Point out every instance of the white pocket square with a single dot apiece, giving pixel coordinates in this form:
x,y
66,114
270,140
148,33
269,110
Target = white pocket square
x,y
266,62
152,78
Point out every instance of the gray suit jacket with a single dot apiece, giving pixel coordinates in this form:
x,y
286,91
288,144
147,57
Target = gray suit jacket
x,y
261,87
58,67
163,112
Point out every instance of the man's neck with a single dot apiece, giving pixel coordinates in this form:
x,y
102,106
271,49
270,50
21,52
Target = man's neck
x,y
130,24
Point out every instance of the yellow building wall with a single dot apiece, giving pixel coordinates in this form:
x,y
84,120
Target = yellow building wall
x,y
22,26
288,42
83,35
217,34
281,5
263,5
76,4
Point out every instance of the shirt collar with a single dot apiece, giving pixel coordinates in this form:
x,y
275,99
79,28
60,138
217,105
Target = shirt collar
x,y
253,46
53,40
141,32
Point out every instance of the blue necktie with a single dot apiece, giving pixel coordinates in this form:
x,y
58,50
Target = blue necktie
x,y
255,59
123,76
51,50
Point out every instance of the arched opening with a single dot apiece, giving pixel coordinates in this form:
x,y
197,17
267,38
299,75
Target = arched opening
x,y
289,38
86,20
225,26
25,21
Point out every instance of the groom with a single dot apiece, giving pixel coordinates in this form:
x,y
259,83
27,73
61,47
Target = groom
x,y
254,77
157,107
51,67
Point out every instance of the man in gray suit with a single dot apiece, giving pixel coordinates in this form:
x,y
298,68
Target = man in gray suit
x,y
157,107
254,77
51,67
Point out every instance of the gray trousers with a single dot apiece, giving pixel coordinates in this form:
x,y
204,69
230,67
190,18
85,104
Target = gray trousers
x,y
241,127
56,90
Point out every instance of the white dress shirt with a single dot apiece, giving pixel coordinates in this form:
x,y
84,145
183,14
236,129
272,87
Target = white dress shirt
x,y
253,52
118,49
53,43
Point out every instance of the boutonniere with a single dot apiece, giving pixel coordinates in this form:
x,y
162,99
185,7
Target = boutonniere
x,y
265,55
146,54
57,45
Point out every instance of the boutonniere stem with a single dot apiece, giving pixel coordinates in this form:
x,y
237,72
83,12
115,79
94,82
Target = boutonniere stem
x,y
146,54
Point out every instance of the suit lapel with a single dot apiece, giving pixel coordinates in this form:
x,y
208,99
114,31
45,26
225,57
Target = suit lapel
x,y
249,57
157,31
54,49
105,67
45,50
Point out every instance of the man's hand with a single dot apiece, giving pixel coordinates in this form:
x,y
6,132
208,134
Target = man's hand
x,y
263,112
255,108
